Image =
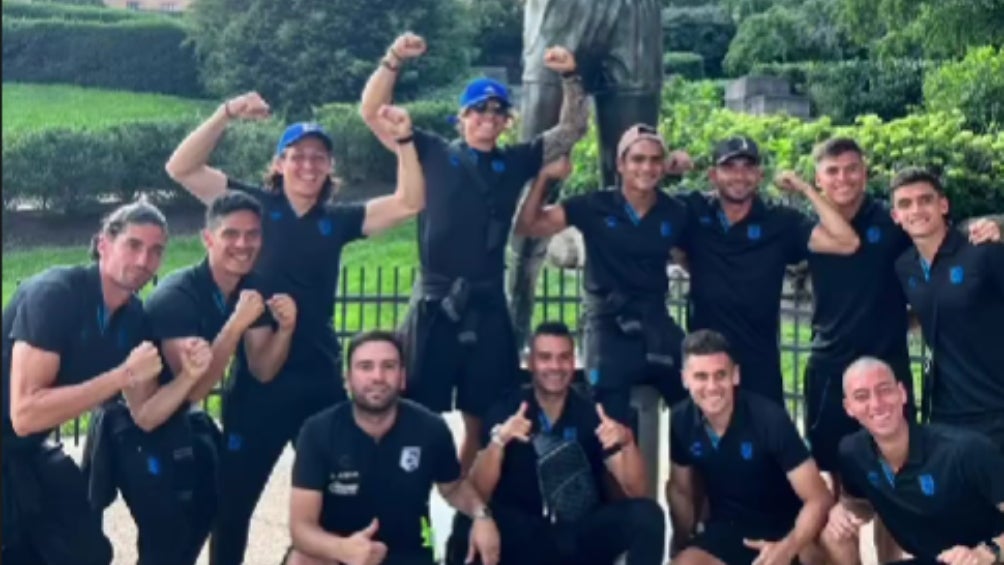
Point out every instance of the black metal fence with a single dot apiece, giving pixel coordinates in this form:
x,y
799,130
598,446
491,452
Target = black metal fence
x,y
377,297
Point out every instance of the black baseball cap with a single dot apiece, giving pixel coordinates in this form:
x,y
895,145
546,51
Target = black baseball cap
x,y
738,146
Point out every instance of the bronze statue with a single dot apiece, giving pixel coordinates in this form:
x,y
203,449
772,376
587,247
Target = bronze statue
x,y
618,48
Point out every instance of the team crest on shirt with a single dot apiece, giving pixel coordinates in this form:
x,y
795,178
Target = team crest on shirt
x,y
873,478
411,457
611,222
697,449
325,226
753,231
957,274
874,234
666,229
275,215
926,484
746,450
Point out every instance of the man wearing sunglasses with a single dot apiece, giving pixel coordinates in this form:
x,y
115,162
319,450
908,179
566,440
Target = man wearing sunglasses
x,y
628,232
460,332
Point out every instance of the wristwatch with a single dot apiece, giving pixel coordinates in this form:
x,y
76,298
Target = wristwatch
x,y
496,435
482,513
996,549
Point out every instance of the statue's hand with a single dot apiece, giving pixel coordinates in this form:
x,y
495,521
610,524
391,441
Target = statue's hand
x,y
559,60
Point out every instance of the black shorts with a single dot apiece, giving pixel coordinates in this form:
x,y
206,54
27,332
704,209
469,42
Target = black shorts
x,y
725,542
990,425
615,362
826,421
479,372
617,43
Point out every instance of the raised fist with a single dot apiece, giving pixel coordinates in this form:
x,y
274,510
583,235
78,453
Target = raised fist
x,y
559,60
248,106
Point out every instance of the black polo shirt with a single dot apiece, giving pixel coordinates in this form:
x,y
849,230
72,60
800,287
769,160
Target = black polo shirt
x,y
947,493
453,228
301,256
62,310
187,303
858,304
388,479
736,277
626,253
744,471
959,300
518,486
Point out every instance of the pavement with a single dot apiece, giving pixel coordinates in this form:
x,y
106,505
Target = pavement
x,y
269,534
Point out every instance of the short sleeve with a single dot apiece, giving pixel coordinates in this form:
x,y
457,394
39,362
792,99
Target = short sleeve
x,y
679,452
41,317
798,230
850,476
983,466
249,189
171,314
526,159
309,469
446,467
783,440
348,221
993,254
426,142
577,211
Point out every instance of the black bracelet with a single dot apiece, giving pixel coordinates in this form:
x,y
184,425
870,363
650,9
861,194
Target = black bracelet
x,y
385,63
569,74
406,140
226,109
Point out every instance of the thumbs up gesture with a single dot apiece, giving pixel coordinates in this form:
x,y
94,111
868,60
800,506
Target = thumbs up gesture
x,y
611,433
517,427
360,549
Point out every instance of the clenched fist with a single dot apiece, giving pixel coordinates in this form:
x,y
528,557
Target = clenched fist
x,y
196,355
143,364
248,106
407,46
283,310
559,60
250,306
395,120
557,169
789,181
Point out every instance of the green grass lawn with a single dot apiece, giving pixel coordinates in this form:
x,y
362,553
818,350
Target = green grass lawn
x,y
38,106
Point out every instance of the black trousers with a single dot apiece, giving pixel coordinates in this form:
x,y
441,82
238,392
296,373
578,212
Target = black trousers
x,y
636,527
258,421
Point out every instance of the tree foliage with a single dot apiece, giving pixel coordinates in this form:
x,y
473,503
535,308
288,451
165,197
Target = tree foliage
x,y
301,53
973,86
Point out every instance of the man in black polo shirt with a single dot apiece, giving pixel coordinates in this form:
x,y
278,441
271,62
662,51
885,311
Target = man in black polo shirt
x,y
460,334
737,248
765,493
628,233
956,289
364,469
939,490
73,338
566,483
218,300
304,233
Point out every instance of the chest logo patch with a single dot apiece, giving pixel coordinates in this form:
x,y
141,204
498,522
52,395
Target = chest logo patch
x,y
873,478
912,282
754,232
344,483
746,450
498,165
611,222
275,215
705,220
325,226
411,458
926,484
571,434
957,275
874,234
666,229
697,449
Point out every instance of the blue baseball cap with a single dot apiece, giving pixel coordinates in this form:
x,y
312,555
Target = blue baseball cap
x,y
482,89
300,130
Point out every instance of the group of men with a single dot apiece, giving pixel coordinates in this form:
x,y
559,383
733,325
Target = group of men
x,y
544,474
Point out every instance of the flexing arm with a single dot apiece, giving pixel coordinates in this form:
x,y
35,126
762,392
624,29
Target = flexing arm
x,y
267,350
535,219
189,358
188,164
833,235
573,121
379,89
385,212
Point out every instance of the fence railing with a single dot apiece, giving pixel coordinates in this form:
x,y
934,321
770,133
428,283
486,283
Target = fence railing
x,y
377,297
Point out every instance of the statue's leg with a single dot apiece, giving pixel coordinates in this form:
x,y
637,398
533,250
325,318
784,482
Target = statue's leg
x,y
541,106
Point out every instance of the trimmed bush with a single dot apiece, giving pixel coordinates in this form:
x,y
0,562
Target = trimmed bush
x,y
684,63
54,11
142,55
706,30
973,86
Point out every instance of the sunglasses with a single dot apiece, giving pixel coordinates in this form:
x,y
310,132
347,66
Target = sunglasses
x,y
490,107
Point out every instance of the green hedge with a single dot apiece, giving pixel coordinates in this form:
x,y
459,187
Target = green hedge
x,y
687,64
142,55
53,11
706,30
974,86
843,90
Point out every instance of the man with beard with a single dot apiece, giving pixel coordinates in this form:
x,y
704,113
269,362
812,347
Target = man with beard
x,y
73,338
460,336
364,469
737,248
595,510
166,461
956,290
938,489
628,233
766,498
